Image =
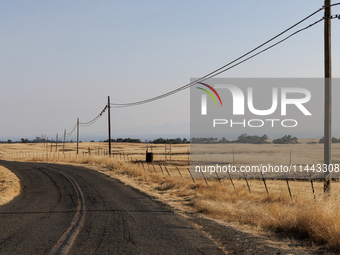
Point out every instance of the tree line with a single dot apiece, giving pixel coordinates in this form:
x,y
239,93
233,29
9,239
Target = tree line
x,y
244,138
334,140
156,141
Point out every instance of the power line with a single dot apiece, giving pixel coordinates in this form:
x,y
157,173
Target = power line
x,y
87,124
337,16
281,41
222,69
216,73
90,123
331,5
75,126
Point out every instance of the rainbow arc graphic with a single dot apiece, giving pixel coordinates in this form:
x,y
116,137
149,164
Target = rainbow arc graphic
x,y
209,93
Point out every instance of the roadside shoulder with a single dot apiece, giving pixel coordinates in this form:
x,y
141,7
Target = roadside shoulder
x,y
9,185
232,238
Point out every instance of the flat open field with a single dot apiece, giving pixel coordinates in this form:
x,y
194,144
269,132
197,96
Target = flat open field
x,y
242,154
302,153
297,208
136,151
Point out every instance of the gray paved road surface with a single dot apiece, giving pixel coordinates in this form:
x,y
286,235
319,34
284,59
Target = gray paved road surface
x,y
73,209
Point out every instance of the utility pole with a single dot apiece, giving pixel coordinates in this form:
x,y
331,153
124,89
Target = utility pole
x,y
56,143
64,141
77,136
328,96
109,120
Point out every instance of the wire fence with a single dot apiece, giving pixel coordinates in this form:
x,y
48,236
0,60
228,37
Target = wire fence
x,y
179,167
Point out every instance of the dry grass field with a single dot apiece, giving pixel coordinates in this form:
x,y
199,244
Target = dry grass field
x,y
305,214
9,185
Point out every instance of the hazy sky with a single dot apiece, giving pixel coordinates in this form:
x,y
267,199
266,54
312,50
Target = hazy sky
x,y
61,59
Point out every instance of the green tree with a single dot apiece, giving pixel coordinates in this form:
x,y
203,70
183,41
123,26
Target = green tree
x,y
24,140
287,139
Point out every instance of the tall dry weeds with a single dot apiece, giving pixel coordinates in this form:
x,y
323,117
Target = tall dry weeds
x,y
300,216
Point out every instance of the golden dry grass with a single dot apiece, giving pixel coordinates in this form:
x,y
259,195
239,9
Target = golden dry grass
x,y
136,151
9,185
300,216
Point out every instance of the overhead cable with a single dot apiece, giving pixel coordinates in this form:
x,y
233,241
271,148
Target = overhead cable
x,y
224,68
87,124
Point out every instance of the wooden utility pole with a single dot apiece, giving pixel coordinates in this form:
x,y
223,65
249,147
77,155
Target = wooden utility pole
x,y
77,136
64,141
56,143
328,96
109,121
